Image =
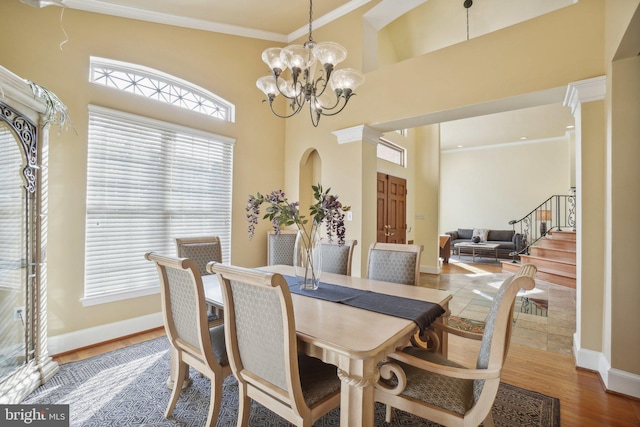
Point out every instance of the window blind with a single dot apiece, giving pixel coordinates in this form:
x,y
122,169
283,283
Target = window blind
x,y
149,182
12,218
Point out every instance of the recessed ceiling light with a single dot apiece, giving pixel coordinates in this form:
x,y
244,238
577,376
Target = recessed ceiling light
x,y
570,127
523,137
460,146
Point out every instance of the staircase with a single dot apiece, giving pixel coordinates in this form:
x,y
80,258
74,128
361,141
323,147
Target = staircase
x,y
555,257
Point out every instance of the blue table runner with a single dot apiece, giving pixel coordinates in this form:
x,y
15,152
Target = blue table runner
x,y
423,313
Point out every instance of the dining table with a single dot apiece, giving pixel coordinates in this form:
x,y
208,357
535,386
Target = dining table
x,y
353,339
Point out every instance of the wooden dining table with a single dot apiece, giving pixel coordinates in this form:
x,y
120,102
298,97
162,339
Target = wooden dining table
x,y
352,339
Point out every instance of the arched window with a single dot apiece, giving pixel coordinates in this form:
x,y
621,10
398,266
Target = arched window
x,y
154,84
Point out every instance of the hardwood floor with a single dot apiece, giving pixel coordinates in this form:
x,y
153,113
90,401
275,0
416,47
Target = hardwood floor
x,y
583,400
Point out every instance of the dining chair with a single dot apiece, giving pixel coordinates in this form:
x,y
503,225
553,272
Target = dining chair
x,y
263,349
280,247
394,262
193,343
337,258
431,386
200,249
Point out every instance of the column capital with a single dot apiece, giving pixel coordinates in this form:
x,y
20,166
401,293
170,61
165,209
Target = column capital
x,y
357,133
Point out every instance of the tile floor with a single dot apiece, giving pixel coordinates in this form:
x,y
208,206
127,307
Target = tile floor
x,y
544,317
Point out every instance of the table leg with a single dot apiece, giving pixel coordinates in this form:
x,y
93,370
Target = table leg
x,y
357,393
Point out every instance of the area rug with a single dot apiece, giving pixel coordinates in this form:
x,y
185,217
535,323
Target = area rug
x,y
126,387
467,325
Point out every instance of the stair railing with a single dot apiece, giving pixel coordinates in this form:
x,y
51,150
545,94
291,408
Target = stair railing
x,y
556,213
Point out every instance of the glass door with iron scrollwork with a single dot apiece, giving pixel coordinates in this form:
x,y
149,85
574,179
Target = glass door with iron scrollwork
x,y
26,112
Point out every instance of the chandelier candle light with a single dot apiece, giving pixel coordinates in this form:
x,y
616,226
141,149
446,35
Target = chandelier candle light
x,y
311,70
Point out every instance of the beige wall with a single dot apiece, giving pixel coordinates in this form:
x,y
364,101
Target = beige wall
x,y
590,176
225,65
429,192
623,190
488,187
437,24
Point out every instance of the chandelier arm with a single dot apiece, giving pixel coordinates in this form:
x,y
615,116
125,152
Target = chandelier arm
x,y
314,120
337,112
324,82
298,93
328,108
280,115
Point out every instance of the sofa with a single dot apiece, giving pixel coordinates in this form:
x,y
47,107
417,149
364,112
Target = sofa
x,y
508,240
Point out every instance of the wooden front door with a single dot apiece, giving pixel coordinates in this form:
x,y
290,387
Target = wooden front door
x,y
391,209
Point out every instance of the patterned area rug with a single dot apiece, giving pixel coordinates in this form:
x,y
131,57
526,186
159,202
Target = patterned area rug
x,y
468,325
127,388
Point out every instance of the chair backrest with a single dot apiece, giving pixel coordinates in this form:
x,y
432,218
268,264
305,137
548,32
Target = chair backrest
x,y
183,307
335,258
200,249
280,247
497,332
394,262
260,332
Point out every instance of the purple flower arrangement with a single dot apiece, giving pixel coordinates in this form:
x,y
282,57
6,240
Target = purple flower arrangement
x,y
282,213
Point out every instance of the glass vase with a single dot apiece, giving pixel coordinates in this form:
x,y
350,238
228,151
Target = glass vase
x,y
307,259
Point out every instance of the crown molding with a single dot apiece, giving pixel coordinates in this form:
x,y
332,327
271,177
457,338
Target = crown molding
x,y
588,90
106,8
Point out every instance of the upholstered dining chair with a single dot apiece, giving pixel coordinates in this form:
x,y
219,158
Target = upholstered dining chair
x,y
193,343
430,386
263,351
280,247
394,262
337,258
200,249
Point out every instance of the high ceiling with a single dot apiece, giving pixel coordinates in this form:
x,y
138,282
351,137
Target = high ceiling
x,y
286,20
528,124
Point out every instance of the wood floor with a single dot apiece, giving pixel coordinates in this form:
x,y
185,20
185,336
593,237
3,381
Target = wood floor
x,y
583,400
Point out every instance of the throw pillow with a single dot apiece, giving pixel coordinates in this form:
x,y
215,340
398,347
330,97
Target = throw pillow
x,y
482,233
465,233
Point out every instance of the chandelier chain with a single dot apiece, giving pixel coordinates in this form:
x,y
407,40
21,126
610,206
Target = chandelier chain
x,y
310,19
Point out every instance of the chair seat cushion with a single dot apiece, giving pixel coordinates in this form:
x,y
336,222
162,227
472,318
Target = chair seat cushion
x,y
318,379
453,394
218,344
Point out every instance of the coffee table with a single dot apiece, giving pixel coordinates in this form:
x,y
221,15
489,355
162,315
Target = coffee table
x,y
479,247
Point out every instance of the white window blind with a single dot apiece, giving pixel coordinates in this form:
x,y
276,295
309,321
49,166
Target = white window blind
x,y
147,183
12,217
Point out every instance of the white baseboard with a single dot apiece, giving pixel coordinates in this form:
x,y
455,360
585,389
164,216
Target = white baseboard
x,y
85,337
624,382
429,269
614,380
587,359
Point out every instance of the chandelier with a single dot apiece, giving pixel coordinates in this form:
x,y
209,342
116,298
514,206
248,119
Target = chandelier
x,y
301,73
